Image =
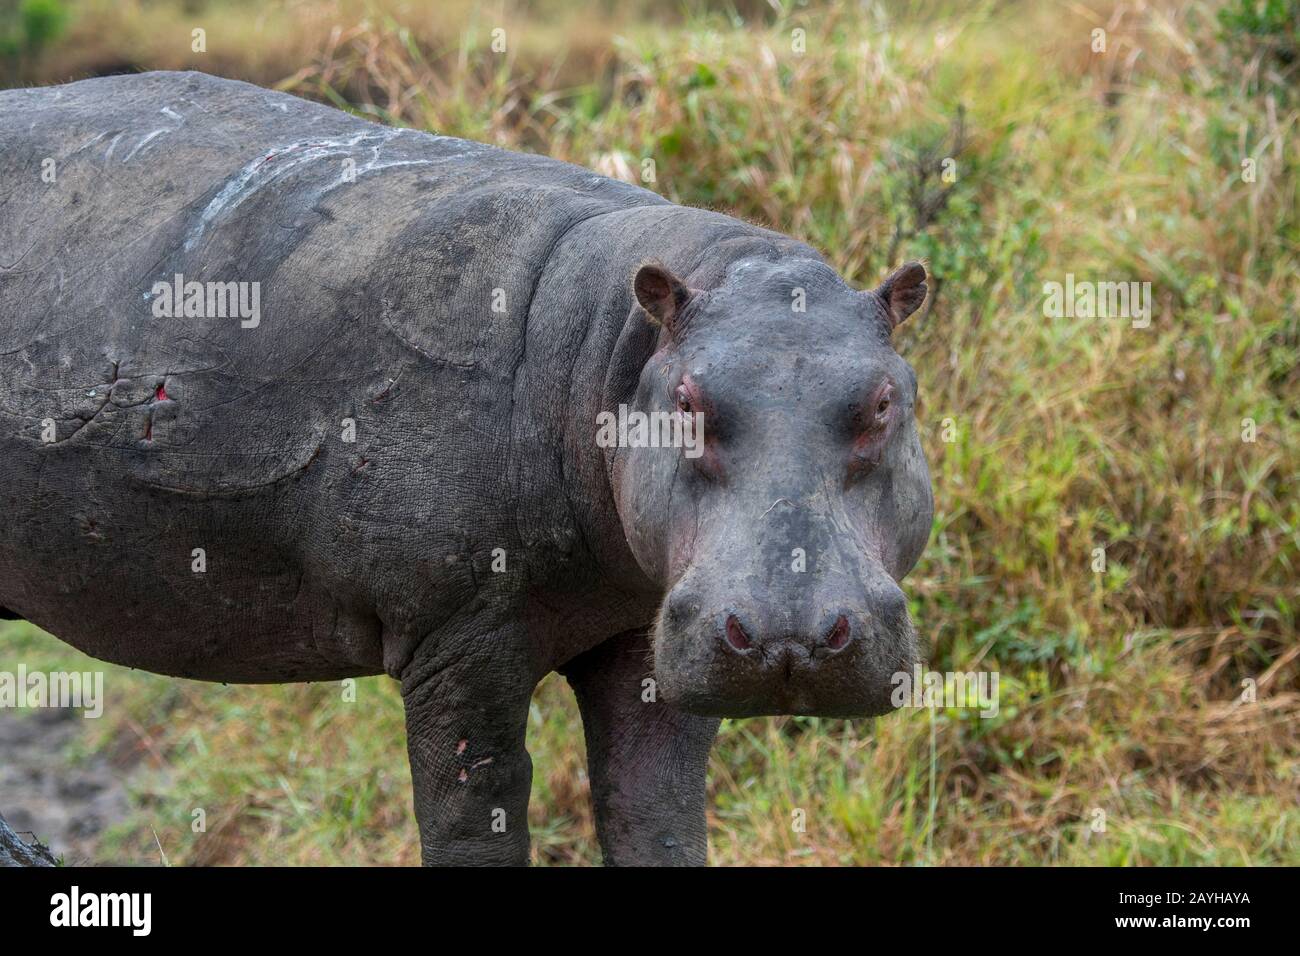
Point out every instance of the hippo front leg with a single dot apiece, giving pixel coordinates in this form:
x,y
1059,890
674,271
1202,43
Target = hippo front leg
x,y
646,760
466,715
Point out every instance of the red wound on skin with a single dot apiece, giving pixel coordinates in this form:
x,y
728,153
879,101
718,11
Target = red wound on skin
x,y
159,395
839,635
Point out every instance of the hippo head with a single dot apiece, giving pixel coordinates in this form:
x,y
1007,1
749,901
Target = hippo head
x,y
773,484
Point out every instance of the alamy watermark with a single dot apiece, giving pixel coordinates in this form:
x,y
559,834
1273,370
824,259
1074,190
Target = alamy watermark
x,y
630,428
133,911
1085,299
977,690
75,689
208,300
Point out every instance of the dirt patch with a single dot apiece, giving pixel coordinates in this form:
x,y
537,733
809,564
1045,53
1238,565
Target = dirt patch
x,y
67,805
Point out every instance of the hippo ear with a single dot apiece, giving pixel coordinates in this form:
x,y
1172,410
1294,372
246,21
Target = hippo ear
x,y
902,292
661,294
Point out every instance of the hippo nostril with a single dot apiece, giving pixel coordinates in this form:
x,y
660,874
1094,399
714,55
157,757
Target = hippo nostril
x,y
736,635
839,635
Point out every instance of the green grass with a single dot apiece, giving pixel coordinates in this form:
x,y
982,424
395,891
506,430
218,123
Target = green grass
x,y
1120,690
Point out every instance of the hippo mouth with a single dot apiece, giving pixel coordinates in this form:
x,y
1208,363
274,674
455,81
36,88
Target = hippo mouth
x,y
840,675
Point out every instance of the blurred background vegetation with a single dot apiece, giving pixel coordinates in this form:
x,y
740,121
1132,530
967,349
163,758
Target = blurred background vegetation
x,y
1122,691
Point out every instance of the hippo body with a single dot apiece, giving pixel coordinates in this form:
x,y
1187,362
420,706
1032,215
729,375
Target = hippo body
x,y
377,455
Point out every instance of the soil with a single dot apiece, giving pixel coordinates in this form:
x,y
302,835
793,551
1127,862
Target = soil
x,y
67,805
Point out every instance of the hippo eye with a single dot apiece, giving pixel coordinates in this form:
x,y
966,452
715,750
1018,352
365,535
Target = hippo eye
x,y
684,400
886,396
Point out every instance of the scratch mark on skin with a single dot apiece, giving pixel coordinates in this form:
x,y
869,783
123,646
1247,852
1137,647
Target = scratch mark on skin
x,y
112,146
143,143
463,776
774,504
9,266
387,390
166,111
87,144
282,161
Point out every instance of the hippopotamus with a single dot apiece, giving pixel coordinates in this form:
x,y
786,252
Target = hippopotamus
x,y
287,395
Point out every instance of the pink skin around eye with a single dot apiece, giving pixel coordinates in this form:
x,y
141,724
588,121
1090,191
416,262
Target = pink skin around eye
x,y
687,391
875,429
883,402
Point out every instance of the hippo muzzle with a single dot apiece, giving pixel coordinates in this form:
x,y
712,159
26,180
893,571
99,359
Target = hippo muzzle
x,y
804,622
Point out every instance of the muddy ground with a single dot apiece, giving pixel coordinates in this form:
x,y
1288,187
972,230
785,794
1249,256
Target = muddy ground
x,y
67,804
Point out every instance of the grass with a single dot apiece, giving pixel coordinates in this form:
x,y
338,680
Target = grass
x,y
1122,736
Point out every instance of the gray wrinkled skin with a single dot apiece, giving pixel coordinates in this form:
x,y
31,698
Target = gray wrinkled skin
x,y
380,255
